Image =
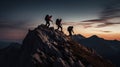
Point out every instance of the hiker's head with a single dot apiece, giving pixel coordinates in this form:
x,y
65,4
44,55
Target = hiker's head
x,y
71,26
47,15
57,20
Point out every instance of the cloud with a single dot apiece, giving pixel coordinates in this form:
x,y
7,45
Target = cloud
x,y
104,31
104,25
12,24
107,17
94,20
12,30
84,25
69,23
77,23
96,23
111,10
87,26
102,22
107,31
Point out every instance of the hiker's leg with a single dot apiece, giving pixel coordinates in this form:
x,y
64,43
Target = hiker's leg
x,y
69,33
48,24
61,28
58,28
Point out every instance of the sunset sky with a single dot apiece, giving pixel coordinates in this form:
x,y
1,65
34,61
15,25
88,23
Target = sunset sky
x,y
89,17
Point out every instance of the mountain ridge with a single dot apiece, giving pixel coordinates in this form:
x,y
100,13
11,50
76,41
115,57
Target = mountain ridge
x,y
46,47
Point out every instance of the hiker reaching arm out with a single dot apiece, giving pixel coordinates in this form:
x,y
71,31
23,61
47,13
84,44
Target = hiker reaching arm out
x,y
48,20
70,30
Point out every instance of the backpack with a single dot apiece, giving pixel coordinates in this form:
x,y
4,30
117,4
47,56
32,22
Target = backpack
x,y
57,22
46,17
69,28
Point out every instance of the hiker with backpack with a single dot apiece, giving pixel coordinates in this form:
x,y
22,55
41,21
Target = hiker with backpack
x,y
70,30
48,20
58,23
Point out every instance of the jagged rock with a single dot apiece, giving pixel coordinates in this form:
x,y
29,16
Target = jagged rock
x,y
60,63
37,57
78,64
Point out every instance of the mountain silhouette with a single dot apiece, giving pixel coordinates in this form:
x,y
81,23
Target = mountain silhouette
x,y
47,47
9,55
78,37
109,49
4,44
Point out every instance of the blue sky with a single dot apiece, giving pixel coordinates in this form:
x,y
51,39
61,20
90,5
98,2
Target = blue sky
x,y
67,9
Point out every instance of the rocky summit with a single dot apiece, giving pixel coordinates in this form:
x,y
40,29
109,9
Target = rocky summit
x,y
47,47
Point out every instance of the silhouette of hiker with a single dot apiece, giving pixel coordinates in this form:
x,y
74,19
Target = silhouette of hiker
x,y
70,30
48,19
58,23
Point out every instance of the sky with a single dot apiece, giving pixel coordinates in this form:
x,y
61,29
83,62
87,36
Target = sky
x,y
89,17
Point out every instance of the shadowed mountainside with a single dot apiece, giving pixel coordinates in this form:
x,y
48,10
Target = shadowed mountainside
x,y
46,47
109,49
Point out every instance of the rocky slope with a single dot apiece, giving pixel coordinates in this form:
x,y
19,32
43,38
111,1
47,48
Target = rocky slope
x,y
46,47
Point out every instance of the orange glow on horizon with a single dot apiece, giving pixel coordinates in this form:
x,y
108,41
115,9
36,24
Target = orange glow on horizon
x,y
105,36
89,32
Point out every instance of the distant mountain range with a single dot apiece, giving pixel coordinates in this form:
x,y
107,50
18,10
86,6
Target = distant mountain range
x,y
109,49
4,44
